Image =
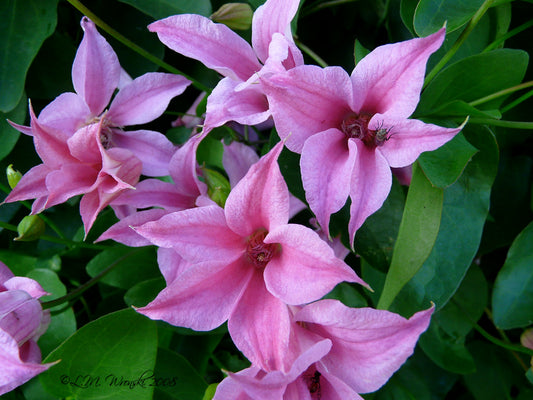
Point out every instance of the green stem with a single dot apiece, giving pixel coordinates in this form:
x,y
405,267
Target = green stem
x,y
311,53
79,290
505,124
460,40
508,35
500,93
516,102
125,41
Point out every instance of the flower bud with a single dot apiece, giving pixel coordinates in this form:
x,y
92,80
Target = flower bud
x,y
30,228
234,15
218,187
526,339
13,176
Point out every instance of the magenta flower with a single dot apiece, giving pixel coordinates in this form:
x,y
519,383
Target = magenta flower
x,y
350,130
83,148
353,350
22,322
222,50
247,264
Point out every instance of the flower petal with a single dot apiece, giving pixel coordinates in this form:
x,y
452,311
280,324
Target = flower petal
x,y
327,187
152,148
215,45
145,98
69,181
306,268
5,273
237,160
370,185
32,185
203,297
408,138
183,166
368,345
96,70
66,114
260,199
390,78
306,100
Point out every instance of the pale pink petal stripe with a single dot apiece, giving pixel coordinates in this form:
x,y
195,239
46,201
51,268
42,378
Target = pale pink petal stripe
x,y
66,114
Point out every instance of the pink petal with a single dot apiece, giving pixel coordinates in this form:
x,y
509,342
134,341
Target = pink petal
x,y
215,45
283,54
370,185
237,160
96,70
122,166
327,187
203,297
306,100
20,314
66,114
69,181
145,98
260,199
331,387
183,166
30,286
390,78
306,268
152,148
272,17
123,232
260,326
21,128
171,264
5,273
247,107
197,234
31,186
85,144
408,138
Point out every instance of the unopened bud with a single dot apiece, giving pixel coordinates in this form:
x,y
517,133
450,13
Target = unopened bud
x,y
526,339
234,15
13,176
30,228
218,187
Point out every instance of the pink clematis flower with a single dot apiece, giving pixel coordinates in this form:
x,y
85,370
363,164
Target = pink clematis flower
x,y
355,128
83,148
354,350
222,50
247,264
22,322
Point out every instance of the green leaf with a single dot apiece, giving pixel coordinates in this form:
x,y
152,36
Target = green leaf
x,y
465,209
144,292
359,52
177,379
475,77
430,15
210,153
348,295
416,237
24,24
458,108
112,357
407,12
8,134
512,298
210,391
133,265
444,165
159,9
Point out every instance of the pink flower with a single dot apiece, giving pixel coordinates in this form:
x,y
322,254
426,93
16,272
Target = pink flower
x,y
83,148
246,264
222,50
22,322
353,350
350,130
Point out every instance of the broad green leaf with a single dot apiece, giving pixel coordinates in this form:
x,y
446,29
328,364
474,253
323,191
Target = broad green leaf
x,y
110,358
444,165
210,153
348,295
19,264
359,52
197,349
24,24
430,15
473,78
512,298
465,209
8,134
131,265
159,9
177,379
416,237
407,12
144,292
375,239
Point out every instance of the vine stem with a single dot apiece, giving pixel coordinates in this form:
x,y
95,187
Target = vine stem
x,y
505,124
80,289
319,60
138,49
460,40
501,93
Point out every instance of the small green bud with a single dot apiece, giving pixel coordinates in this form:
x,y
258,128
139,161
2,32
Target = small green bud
x,y
234,15
30,228
218,187
13,176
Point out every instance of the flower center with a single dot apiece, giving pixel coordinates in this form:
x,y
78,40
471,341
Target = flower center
x,y
312,380
356,126
106,137
258,252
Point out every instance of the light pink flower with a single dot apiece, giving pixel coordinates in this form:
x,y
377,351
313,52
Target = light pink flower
x,y
222,50
248,263
83,148
351,130
353,350
22,322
